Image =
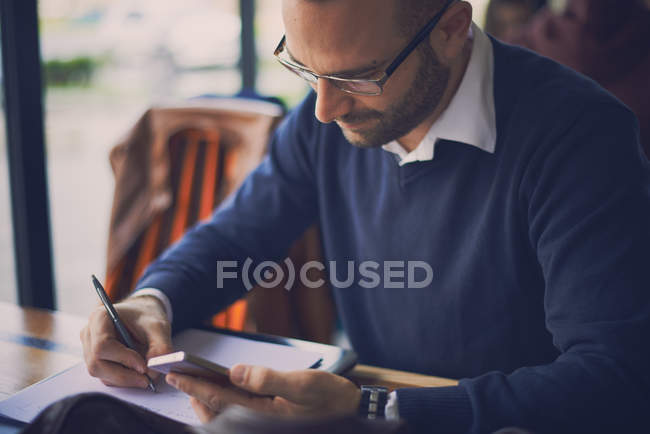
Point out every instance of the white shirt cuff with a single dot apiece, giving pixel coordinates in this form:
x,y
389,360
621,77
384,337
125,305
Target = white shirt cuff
x,y
391,411
160,296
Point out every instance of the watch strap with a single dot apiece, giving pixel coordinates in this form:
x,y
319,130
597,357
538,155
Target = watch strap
x,y
373,402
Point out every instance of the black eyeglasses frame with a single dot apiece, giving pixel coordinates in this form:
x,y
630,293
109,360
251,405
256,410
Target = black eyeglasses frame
x,y
378,82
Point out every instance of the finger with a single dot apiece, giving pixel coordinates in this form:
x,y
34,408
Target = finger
x,y
159,342
293,386
111,373
217,397
153,374
110,349
158,347
157,350
114,374
84,336
202,411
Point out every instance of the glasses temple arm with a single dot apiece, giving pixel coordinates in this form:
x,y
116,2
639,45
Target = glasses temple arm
x,y
417,39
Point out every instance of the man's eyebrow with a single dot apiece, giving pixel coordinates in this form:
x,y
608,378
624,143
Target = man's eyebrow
x,y
345,73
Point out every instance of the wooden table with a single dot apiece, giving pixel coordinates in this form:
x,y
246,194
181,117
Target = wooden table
x,y
35,344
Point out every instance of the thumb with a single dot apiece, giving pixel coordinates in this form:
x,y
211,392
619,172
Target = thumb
x,y
159,342
158,348
266,381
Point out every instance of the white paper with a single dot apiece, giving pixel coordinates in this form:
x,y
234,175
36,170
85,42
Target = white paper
x,y
26,404
222,349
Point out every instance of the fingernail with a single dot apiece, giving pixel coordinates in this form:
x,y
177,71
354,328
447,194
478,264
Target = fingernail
x,y
171,380
237,374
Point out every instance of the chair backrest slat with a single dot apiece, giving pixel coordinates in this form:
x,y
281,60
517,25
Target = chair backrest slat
x,y
147,251
210,169
184,194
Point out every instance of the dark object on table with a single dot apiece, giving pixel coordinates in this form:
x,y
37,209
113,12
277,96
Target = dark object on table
x,y
98,413
102,414
240,420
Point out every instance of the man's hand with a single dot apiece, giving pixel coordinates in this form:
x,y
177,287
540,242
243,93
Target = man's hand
x,y
111,361
307,392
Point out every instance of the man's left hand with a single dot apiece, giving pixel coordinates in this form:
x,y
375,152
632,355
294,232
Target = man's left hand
x,y
308,392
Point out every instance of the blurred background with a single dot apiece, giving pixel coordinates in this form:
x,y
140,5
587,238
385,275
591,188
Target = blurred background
x,y
104,63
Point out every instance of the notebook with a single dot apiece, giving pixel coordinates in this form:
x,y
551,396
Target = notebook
x,y
225,348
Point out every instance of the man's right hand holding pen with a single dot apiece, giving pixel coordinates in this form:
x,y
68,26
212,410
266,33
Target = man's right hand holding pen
x,y
108,359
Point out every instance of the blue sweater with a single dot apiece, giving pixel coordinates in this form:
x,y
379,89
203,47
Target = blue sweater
x,y
540,293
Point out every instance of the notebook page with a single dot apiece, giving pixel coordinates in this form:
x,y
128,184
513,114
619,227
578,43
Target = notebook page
x,y
26,404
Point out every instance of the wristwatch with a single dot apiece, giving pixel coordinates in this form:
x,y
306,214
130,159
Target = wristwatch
x,y
373,402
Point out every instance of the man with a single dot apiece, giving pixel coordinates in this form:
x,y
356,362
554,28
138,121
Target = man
x,y
521,184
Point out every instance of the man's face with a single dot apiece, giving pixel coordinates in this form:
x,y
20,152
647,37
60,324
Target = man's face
x,y
360,38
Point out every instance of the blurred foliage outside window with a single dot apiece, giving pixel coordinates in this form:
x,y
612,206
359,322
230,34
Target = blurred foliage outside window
x,y
76,71
104,63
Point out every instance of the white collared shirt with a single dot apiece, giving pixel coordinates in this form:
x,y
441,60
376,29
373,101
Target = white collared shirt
x,y
470,117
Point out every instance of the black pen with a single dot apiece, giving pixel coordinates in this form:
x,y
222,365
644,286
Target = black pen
x,y
123,332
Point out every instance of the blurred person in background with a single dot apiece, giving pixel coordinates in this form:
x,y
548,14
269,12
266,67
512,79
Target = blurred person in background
x,y
504,19
607,40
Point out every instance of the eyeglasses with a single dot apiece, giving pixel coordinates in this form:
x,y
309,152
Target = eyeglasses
x,y
362,86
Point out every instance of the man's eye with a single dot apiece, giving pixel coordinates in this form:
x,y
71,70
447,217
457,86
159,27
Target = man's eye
x,y
370,74
364,76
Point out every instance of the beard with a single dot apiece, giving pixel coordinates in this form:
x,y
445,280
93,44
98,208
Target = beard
x,y
409,111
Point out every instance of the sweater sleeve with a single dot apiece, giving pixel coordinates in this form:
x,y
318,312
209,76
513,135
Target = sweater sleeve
x,y
586,198
274,205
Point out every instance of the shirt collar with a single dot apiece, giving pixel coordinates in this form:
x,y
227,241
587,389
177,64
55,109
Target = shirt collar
x,y
470,117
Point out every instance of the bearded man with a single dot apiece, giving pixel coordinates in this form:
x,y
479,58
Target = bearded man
x,y
520,183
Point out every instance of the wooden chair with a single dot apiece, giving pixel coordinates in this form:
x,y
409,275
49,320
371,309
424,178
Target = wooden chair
x,y
172,169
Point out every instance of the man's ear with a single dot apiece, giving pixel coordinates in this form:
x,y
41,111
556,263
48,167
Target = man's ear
x,y
450,35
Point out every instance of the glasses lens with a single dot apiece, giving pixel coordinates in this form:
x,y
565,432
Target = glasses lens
x,y
359,87
305,75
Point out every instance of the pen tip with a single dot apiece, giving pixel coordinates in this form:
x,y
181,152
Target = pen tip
x,y
151,385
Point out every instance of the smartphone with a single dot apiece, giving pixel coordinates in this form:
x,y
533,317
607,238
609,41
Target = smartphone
x,y
189,364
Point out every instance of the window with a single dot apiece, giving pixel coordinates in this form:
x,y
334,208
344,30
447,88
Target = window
x,y
272,78
105,63
7,273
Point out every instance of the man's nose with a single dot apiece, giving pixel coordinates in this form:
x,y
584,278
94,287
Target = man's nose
x,y
331,102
